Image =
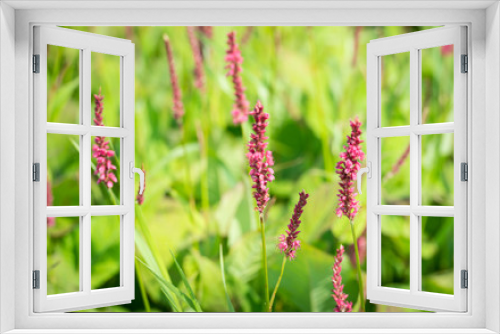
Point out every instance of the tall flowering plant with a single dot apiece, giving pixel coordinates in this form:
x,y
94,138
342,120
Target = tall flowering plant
x,y
234,61
260,160
199,74
178,107
338,288
347,169
288,243
101,151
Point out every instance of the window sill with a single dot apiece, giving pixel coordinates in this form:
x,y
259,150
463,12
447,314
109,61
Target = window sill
x,y
251,331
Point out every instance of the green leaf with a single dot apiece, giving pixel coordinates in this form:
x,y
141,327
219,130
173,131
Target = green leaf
x,y
168,288
192,296
228,300
152,264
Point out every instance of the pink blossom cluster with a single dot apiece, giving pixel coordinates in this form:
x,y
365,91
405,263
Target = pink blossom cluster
x,y
288,243
101,150
234,61
199,74
347,169
178,106
259,158
140,197
338,288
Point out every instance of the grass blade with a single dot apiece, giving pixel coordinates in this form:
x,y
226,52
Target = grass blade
x,y
228,300
153,266
186,283
168,288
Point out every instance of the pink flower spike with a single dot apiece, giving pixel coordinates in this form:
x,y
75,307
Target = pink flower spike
x,y
198,61
234,61
100,150
258,158
347,169
289,244
338,289
178,107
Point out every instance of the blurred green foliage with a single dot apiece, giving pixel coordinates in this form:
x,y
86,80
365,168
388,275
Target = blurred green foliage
x,y
312,81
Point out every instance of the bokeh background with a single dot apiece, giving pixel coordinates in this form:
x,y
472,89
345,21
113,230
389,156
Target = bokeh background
x,y
312,81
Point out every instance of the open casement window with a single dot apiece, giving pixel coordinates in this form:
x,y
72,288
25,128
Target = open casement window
x,y
84,196
406,137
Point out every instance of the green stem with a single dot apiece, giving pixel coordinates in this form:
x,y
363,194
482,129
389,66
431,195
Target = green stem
x,y
144,295
360,279
189,186
112,196
277,284
264,261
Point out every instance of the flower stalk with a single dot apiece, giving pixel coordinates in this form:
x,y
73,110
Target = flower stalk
x,y
260,161
347,169
199,74
338,288
178,107
264,261
358,269
100,150
234,61
289,243
277,284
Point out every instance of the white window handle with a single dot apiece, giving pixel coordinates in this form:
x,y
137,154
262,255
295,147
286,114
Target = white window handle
x,y
139,171
368,170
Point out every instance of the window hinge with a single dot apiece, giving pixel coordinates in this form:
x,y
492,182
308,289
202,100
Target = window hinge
x,y
464,173
465,279
36,63
36,172
465,64
36,279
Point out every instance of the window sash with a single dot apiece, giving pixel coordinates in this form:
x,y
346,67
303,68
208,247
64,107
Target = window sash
x,y
412,43
87,43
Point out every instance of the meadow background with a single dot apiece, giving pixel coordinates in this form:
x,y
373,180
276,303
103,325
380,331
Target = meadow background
x,y
312,81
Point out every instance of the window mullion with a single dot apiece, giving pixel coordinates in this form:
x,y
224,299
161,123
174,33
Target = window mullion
x,y
85,171
414,170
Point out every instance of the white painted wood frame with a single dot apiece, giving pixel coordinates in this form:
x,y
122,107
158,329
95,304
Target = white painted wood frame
x,y
86,43
414,43
17,20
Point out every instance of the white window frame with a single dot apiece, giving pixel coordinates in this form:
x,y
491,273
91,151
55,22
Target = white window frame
x,y
413,43
483,123
85,44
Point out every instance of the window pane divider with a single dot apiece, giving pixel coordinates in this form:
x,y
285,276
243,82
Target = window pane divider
x,y
80,211
76,129
394,131
422,129
434,129
394,210
415,156
434,211
109,210
419,210
67,211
